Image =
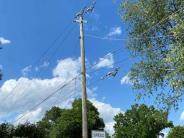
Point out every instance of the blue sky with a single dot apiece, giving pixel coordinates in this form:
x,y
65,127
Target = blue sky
x,y
33,26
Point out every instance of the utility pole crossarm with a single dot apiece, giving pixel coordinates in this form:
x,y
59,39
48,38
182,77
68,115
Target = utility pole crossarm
x,y
86,10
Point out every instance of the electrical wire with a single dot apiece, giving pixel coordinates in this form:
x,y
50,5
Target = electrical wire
x,y
53,93
64,98
44,53
115,51
136,38
105,38
56,50
125,39
119,63
48,97
61,43
73,92
64,85
52,44
75,78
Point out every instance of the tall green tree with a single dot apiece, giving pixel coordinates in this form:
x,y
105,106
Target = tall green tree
x,y
176,132
67,123
156,37
49,120
140,122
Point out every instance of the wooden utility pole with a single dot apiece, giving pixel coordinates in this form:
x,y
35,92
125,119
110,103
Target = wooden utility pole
x,y
83,72
80,20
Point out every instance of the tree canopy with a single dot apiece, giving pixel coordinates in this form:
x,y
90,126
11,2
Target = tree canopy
x,y
6,130
67,123
176,132
57,123
140,122
156,37
28,130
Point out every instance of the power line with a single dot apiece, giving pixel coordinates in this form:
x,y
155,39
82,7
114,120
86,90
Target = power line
x,y
61,43
100,79
56,50
137,38
44,53
126,39
116,63
52,44
64,98
48,97
114,52
59,89
74,91
105,38
75,77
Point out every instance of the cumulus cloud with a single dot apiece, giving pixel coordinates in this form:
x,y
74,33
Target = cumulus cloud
x,y
26,70
18,97
4,41
24,93
67,68
107,61
107,112
126,80
115,31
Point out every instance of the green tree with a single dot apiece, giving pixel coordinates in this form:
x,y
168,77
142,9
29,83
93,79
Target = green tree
x,y
69,124
176,132
156,37
107,135
29,131
49,120
140,122
6,130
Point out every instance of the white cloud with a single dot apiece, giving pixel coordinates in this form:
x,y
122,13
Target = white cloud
x,y
44,65
19,96
182,116
126,80
31,116
107,112
107,61
26,70
26,92
4,41
115,31
67,68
